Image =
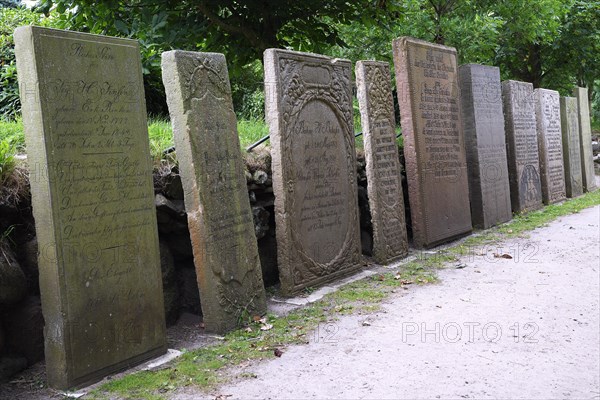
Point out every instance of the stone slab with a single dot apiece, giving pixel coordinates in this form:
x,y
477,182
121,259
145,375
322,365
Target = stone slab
x,y
216,197
585,140
309,112
436,167
485,142
569,120
552,173
84,116
522,146
386,199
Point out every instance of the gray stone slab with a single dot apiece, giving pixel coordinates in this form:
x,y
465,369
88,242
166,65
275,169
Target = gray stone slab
x,y
386,199
569,120
585,140
91,182
522,146
309,112
436,166
216,196
485,142
552,173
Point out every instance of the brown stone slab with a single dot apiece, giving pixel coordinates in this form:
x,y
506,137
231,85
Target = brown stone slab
x,y
216,196
552,173
585,140
436,167
386,199
569,120
485,143
522,146
84,116
309,112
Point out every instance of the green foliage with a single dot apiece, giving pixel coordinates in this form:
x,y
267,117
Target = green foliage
x,y
12,132
11,18
10,3
7,160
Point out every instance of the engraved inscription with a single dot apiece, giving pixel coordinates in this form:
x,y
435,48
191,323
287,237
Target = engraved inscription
x,y
483,122
426,76
93,203
310,117
571,147
526,191
383,166
550,145
212,171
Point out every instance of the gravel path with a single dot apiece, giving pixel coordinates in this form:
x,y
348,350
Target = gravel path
x,y
520,328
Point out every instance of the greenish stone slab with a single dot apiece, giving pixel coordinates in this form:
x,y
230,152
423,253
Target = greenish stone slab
x,y
585,140
216,196
552,174
91,182
569,120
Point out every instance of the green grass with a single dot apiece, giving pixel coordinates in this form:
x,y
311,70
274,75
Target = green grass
x,y
160,134
12,132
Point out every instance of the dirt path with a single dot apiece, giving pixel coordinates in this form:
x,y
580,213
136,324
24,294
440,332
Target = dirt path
x,y
526,327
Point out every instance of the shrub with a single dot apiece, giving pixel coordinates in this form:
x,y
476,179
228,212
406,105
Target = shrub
x,y
10,19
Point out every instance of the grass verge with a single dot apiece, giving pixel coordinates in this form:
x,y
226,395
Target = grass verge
x,y
206,368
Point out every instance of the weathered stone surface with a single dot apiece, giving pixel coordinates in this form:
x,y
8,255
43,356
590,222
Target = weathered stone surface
x,y
91,183
485,143
521,146
216,198
585,140
569,120
436,167
552,174
309,112
383,165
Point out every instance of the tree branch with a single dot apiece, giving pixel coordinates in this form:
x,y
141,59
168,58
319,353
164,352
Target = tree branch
x,y
240,30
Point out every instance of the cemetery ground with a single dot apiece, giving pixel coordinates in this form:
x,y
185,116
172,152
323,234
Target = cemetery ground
x,y
517,308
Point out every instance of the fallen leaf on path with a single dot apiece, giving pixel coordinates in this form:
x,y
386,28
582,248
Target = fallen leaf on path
x,y
405,282
266,327
277,352
507,256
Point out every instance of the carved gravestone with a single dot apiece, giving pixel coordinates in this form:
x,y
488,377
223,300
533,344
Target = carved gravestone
x,y
485,142
216,197
383,165
552,174
522,146
585,140
436,167
569,120
309,112
91,181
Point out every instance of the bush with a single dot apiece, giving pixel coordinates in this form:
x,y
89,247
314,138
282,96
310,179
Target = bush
x,y
10,19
